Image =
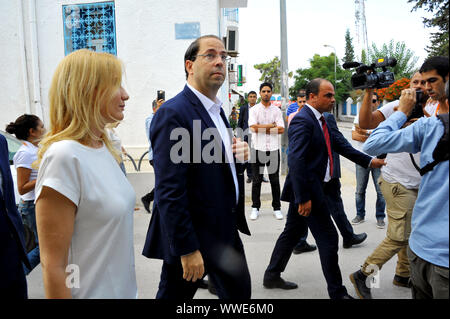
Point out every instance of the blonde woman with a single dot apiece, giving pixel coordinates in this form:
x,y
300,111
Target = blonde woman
x,y
85,229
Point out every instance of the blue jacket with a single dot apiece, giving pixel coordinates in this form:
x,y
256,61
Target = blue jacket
x,y
195,202
11,227
308,157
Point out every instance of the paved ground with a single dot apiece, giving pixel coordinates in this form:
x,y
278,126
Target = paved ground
x,y
303,269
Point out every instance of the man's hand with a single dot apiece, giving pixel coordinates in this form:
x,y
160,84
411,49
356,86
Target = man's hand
x,y
193,267
240,149
407,101
377,163
304,209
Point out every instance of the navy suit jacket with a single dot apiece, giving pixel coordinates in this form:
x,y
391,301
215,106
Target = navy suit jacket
x,y
308,157
195,204
243,117
11,227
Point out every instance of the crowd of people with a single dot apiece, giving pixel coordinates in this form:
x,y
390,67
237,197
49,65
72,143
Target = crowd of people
x,y
77,203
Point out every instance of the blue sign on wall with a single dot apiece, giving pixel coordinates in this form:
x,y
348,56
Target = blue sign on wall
x,y
186,31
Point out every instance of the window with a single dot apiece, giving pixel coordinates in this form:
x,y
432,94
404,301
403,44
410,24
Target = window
x,y
89,26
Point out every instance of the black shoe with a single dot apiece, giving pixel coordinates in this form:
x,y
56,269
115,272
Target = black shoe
x,y
402,281
347,296
356,239
146,200
265,180
203,284
358,280
279,283
211,288
249,180
303,248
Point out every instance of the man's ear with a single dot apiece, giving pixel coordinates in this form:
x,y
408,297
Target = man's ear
x,y
188,64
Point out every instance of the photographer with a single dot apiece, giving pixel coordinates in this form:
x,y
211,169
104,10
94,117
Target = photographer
x,y
399,183
428,251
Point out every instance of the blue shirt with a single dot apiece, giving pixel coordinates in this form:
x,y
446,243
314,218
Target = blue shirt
x,y
429,233
148,121
292,108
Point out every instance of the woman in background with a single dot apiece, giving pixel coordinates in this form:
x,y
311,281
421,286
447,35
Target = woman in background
x,y
84,203
29,129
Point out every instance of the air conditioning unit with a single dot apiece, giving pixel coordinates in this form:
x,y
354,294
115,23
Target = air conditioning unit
x,y
232,39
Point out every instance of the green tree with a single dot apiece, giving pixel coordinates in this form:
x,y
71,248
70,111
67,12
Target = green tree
x,y
321,67
271,72
439,40
406,60
349,50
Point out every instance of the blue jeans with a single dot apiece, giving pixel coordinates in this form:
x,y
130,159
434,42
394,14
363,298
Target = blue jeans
x,y
362,178
28,213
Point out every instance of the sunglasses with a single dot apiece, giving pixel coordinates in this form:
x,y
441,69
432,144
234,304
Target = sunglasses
x,y
374,101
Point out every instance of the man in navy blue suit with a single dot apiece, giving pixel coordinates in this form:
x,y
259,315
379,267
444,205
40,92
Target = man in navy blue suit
x,y
307,186
199,186
12,244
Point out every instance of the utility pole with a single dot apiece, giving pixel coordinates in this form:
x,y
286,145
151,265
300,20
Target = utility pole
x,y
284,84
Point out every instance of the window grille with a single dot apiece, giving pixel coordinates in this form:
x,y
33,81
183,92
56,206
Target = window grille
x,y
90,26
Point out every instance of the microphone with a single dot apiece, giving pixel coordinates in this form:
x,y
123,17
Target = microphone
x,y
349,65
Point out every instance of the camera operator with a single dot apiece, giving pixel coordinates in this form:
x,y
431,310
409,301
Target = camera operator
x,y
428,250
399,184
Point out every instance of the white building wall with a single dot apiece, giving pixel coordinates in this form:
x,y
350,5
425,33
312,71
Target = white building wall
x,y
13,97
146,44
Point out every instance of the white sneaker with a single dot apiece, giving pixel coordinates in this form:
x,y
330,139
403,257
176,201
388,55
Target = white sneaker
x,y
278,214
254,214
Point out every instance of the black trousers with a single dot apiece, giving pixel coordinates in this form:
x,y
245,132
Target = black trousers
x,y
227,270
325,234
336,207
272,161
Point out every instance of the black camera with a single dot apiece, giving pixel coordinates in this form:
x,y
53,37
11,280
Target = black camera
x,y
417,111
363,79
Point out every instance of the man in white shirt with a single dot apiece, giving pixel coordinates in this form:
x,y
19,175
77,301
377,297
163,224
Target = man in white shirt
x,y
266,123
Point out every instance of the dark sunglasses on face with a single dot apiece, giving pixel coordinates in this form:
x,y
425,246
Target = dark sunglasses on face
x,y
374,101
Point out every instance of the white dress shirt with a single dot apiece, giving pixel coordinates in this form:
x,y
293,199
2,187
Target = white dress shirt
x,y
213,109
259,114
318,115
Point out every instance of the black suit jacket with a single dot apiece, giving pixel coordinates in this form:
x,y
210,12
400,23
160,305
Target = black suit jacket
x,y
11,227
195,201
308,156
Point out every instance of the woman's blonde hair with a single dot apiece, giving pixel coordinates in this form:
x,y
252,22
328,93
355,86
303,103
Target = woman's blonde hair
x,y
83,82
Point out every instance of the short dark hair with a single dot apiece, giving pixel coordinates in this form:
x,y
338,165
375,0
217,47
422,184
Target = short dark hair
x,y
313,87
252,92
301,94
192,50
21,127
265,84
438,63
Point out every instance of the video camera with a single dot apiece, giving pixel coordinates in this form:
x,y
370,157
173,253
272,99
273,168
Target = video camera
x,y
362,79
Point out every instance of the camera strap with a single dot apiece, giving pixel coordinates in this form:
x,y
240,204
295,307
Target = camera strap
x,y
441,151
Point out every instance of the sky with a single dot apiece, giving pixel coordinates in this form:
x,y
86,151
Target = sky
x,y
313,23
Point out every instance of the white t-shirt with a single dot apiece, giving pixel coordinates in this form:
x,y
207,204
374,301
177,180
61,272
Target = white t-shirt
x,y
399,167
24,157
102,242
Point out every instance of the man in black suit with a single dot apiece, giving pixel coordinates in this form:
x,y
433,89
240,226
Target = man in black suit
x,y
199,189
12,244
306,188
334,198
243,125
